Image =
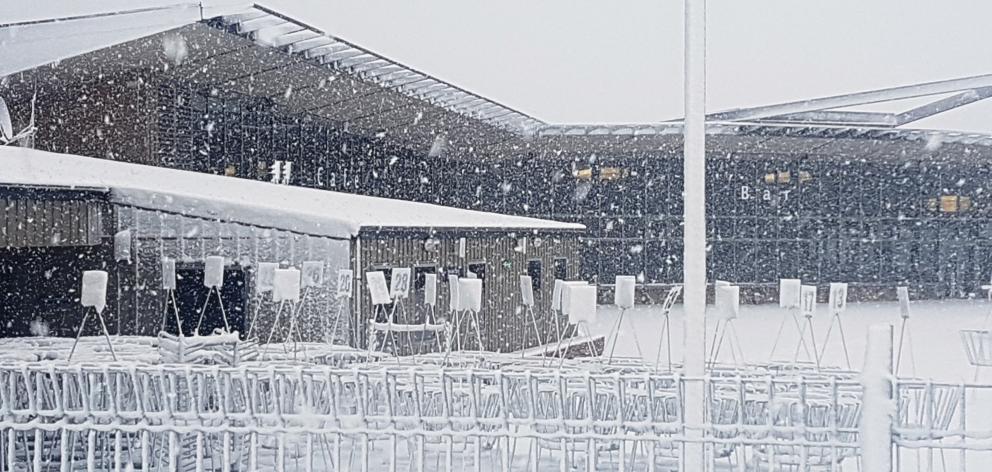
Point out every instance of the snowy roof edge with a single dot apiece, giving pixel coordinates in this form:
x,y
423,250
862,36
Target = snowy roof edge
x,y
250,202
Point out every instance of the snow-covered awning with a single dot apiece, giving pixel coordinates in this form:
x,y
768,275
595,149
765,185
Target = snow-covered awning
x,y
290,208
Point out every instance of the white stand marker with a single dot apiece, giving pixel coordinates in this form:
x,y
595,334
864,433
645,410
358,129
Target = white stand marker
x,y
623,298
286,288
807,305
213,279
311,278
727,304
837,305
379,292
430,313
455,340
665,339
788,298
169,285
470,302
264,283
343,296
94,294
902,294
527,299
579,301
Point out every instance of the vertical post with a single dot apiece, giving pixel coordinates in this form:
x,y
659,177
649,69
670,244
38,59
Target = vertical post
x,y
876,423
694,235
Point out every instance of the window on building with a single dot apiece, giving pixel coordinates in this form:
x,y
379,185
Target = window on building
x,y
950,204
611,173
561,268
534,271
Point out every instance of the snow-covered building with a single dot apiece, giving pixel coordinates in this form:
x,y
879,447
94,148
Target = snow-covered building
x,y
61,214
809,189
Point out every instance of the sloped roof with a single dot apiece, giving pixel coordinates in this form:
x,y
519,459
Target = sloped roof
x,y
246,48
304,210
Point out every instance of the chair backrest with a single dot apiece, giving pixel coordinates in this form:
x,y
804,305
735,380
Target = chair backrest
x,y
673,294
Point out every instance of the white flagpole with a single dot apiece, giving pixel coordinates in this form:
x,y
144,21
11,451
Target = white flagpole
x,y
694,236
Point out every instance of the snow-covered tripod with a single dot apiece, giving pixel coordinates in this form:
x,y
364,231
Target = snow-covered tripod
x,y
527,299
665,338
285,291
807,306
727,302
905,336
264,283
213,279
788,299
579,303
379,291
343,298
469,306
430,315
837,304
169,285
94,294
623,298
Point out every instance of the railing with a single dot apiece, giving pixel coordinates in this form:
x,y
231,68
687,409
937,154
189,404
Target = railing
x,y
421,417
374,417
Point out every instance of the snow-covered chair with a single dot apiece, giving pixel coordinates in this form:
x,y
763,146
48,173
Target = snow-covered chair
x,y
789,411
927,410
977,346
219,348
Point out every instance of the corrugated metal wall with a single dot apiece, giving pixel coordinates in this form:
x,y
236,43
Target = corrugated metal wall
x,y
45,222
503,319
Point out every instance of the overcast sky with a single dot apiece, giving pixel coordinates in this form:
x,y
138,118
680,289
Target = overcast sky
x,y
621,61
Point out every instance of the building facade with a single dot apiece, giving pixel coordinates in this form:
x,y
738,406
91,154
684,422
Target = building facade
x,y
872,208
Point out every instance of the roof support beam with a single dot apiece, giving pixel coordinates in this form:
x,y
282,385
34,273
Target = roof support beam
x,y
309,44
942,105
855,99
829,117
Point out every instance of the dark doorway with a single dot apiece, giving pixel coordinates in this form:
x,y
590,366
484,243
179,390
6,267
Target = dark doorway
x,y
191,296
561,268
42,284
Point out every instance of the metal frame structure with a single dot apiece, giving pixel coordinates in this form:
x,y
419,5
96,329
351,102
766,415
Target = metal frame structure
x,y
251,92
270,28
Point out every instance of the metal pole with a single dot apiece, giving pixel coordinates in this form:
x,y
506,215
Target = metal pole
x,y
876,422
694,235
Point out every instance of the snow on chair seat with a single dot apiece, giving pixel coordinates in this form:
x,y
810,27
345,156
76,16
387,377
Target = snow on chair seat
x,y
977,346
812,419
219,348
926,410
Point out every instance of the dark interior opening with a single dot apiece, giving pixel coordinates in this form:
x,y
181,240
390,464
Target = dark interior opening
x,y
191,296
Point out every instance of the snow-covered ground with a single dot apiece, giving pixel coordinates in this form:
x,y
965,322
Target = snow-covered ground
x,y
934,328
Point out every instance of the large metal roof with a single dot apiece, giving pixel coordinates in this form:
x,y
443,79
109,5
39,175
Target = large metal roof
x,y
253,50
270,28
261,53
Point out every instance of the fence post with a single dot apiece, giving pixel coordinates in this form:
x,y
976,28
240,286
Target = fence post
x,y
877,417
